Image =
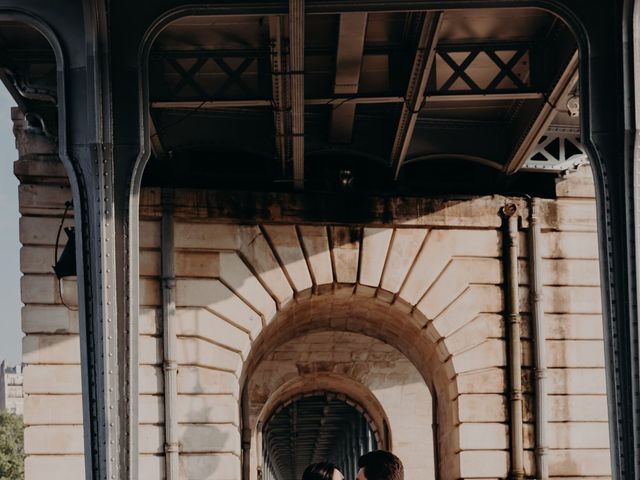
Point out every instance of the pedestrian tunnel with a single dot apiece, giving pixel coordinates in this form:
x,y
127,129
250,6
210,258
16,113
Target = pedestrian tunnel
x,y
323,426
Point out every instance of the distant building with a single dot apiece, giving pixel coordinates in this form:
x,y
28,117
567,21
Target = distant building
x,y
11,398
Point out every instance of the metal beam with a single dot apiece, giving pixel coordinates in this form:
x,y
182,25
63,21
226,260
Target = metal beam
x,y
348,65
344,100
278,87
542,121
157,148
414,97
296,74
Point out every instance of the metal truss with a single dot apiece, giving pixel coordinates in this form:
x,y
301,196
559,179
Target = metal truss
x,y
465,79
192,76
557,151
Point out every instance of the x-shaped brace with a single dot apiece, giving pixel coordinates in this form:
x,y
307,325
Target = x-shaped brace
x,y
234,76
506,69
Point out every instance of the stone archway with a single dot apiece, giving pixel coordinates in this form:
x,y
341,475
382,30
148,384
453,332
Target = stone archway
x,y
374,374
434,294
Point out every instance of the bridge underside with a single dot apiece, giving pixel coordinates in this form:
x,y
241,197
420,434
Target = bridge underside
x,y
326,103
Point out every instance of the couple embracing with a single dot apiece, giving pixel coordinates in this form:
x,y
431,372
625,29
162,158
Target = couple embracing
x,y
376,465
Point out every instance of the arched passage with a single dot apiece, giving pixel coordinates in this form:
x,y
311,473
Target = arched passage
x,y
376,376
351,354
320,426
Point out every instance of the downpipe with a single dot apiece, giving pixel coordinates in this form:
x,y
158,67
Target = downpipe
x,y
511,242
539,355
170,364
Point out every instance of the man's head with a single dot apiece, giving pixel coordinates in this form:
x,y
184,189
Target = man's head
x,y
380,465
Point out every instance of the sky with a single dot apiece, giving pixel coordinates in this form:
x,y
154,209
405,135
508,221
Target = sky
x,y
10,331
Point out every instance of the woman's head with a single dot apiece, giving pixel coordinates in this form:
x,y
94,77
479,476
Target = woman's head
x,y
322,471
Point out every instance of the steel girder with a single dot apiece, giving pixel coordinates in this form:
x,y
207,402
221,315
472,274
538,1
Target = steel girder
x,y
104,144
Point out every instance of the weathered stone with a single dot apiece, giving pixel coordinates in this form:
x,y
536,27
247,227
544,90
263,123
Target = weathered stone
x,y
58,439
375,243
405,245
285,242
316,248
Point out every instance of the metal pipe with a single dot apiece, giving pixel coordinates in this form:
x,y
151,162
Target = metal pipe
x,y
170,364
538,330
515,355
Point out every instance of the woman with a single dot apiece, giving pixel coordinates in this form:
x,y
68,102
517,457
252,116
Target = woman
x,y
322,471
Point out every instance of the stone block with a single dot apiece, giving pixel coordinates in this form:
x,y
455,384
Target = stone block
x,y
576,381
150,321
150,295
150,380
242,281
53,410
52,379
197,264
39,289
197,352
151,466
346,253
150,351
224,466
405,245
207,236
42,199
257,252
215,296
150,409
316,246
491,353
222,438
575,353
150,263
460,310
199,322
585,300
196,380
284,240
37,259
149,234
483,326
483,464
208,409
49,319
481,408
51,349
55,439
577,408
150,439
579,435
567,245
578,463
41,230
573,326
571,272
483,436
484,381
54,467
375,244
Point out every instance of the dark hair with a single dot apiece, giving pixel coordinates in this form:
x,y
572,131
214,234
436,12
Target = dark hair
x,y
319,471
381,465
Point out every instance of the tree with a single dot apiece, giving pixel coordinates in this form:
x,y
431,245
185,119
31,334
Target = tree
x,y
11,446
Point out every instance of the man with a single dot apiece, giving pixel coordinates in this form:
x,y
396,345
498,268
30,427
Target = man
x,y
380,465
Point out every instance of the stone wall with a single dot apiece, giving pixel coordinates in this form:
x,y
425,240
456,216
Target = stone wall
x,y
424,277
